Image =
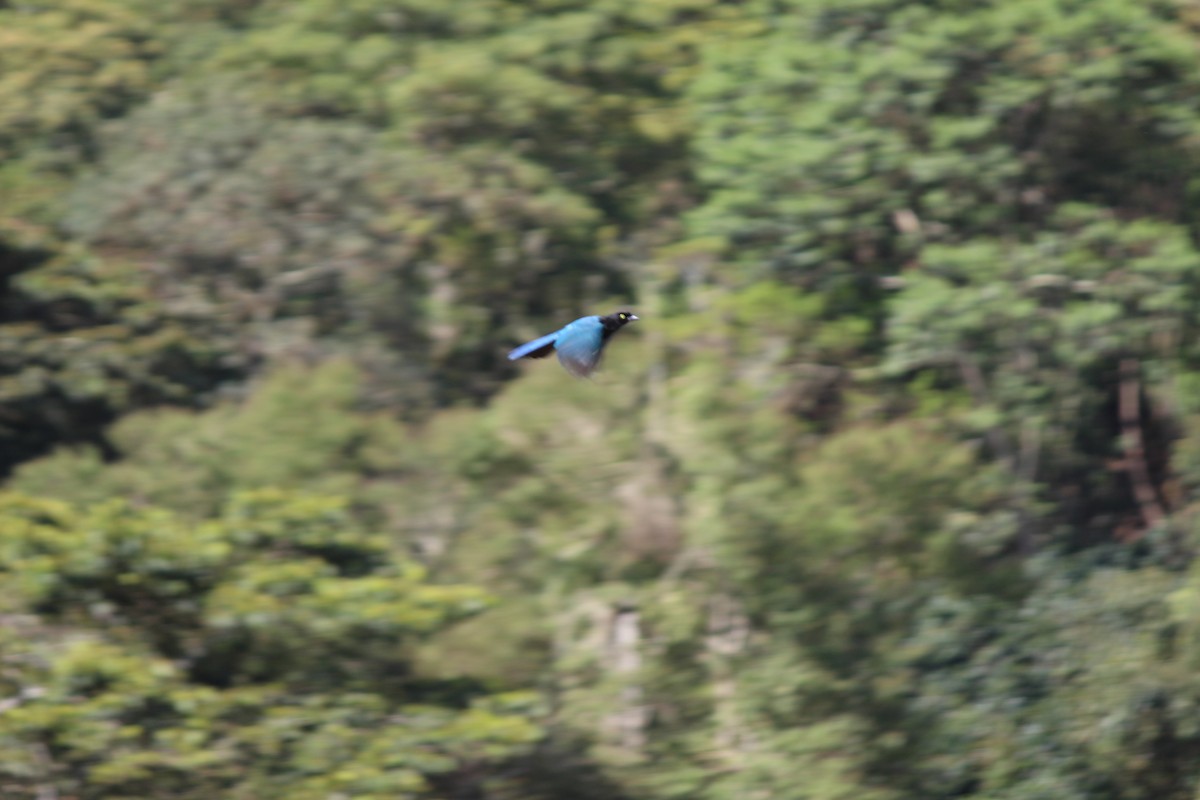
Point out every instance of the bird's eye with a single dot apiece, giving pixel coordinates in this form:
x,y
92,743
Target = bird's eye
x,y
623,315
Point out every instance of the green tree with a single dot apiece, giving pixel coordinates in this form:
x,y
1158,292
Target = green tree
x,y
1050,339
845,137
83,340
264,652
65,66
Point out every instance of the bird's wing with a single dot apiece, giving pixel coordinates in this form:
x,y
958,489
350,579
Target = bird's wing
x,y
579,346
538,348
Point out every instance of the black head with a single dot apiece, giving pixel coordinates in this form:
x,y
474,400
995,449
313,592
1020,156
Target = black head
x,y
614,322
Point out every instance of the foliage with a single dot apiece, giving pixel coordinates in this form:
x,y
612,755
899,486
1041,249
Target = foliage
x,y
298,430
1038,332
316,231
84,340
847,136
264,652
68,65
891,495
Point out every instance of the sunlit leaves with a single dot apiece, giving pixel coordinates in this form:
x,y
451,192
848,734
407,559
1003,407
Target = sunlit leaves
x,y
264,652
64,66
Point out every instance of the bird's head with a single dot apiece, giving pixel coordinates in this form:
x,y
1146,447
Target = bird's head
x,y
611,323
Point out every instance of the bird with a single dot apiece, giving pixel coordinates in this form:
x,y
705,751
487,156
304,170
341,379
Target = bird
x,y
579,344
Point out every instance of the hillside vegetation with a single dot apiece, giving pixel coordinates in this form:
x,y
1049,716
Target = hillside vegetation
x,y
890,495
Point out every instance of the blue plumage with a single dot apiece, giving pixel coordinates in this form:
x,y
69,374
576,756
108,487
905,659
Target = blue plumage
x,y
579,344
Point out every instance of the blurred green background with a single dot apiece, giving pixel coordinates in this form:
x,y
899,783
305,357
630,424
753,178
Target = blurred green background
x,y
890,496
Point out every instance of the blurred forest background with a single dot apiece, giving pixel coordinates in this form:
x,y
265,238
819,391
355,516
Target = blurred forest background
x,y
892,495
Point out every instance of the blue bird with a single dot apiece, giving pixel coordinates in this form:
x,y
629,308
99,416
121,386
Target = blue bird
x,y
579,344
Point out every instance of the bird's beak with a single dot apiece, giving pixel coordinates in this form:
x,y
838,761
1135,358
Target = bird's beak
x,y
632,317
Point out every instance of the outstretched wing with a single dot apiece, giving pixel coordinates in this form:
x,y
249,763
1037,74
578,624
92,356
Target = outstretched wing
x,y
579,346
538,348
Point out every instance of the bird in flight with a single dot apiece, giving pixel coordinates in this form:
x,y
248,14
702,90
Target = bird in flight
x,y
579,344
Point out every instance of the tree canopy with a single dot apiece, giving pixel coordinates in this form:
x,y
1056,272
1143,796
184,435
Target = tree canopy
x,y
891,495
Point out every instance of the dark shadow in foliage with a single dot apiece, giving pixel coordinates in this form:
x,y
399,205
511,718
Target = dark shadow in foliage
x,y
556,769
83,341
